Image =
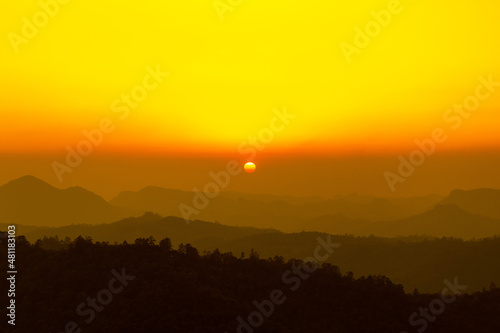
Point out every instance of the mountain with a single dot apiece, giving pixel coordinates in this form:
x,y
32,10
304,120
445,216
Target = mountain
x,y
441,221
279,212
147,225
31,201
484,201
153,199
270,197
337,224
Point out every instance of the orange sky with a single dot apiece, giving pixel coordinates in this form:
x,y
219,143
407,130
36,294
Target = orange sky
x,y
173,81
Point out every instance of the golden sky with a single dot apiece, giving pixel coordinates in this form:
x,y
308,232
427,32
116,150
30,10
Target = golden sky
x,y
226,76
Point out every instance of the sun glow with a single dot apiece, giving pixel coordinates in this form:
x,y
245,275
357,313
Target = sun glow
x,y
249,167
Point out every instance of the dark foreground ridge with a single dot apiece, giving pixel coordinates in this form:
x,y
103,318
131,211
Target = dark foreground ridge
x,y
143,287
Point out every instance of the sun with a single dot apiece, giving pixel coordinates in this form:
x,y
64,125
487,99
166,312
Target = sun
x,y
249,167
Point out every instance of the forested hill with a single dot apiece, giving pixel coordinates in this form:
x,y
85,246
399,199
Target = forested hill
x,y
414,262
145,287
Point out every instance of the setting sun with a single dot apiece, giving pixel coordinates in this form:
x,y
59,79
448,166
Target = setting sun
x,y
249,167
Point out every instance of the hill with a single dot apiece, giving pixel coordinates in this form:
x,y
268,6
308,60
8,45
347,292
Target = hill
x,y
150,288
441,221
484,201
279,212
29,200
415,262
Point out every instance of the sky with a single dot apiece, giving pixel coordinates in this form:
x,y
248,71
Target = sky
x,y
328,94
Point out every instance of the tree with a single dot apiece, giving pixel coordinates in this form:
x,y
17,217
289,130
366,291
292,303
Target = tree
x,y
166,244
22,242
145,241
254,255
191,251
82,243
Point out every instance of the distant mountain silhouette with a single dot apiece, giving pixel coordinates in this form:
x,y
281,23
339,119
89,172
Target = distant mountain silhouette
x,y
279,212
441,221
29,200
271,198
337,224
150,225
483,201
153,199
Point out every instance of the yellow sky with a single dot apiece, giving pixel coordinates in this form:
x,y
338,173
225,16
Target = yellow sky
x,y
226,76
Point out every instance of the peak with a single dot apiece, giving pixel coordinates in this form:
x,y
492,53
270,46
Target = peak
x,y
484,190
152,188
77,189
456,192
476,196
27,180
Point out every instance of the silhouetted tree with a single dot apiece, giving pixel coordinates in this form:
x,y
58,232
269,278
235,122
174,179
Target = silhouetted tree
x,y
166,244
185,292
